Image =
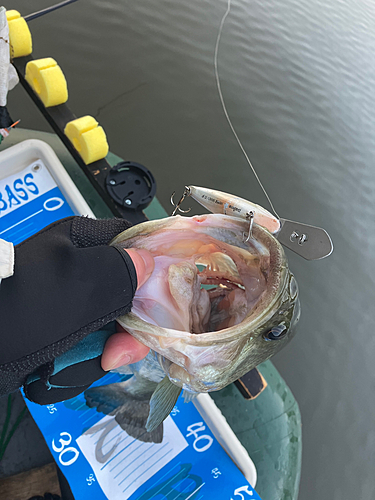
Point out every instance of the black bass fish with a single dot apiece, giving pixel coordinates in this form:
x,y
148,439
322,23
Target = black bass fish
x,y
220,301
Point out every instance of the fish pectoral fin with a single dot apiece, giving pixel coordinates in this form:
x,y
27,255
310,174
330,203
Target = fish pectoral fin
x,y
161,403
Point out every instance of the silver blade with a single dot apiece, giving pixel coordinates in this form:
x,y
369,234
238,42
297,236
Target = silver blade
x,y
310,242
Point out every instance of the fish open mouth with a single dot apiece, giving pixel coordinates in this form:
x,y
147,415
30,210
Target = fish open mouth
x,y
205,279
228,299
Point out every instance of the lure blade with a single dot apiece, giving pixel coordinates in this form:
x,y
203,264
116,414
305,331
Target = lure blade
x,y
310,242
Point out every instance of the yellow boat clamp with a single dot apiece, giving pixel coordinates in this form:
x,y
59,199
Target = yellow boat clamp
x,y
48,82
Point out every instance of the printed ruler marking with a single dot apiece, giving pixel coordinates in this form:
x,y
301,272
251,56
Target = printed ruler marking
x,y
107,442
122,470
171,479
199,487
119,453
143,473
183,491
90,417
20,222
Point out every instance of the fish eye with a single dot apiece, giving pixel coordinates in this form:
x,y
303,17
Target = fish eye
x,y
276,333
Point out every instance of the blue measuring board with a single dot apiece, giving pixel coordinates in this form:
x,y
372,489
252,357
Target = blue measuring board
x,y
98,458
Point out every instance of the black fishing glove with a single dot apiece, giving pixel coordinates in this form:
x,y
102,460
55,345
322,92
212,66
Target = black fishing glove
x,y
67,283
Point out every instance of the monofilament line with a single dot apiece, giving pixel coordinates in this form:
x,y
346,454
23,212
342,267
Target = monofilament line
x,y
226,112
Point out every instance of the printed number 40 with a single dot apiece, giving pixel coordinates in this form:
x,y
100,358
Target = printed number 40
x,y
244,489
204,440
61,450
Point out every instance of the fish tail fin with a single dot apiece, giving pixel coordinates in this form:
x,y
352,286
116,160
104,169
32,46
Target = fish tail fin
x,y
161,403
132,417
106,398
130,411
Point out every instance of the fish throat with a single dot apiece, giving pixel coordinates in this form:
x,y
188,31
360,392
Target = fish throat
x,y
215,285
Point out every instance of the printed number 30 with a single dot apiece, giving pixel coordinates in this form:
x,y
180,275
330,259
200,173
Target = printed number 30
x,y
244,489
61,450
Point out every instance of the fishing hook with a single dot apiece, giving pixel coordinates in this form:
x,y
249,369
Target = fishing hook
x,y
250,216
177,207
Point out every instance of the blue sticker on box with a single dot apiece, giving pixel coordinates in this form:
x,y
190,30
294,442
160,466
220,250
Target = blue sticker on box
x,y
29,201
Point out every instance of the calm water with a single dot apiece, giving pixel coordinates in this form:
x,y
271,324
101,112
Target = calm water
x,y
299,80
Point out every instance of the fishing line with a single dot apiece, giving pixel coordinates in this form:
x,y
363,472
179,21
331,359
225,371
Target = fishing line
x,y
47,10
226,112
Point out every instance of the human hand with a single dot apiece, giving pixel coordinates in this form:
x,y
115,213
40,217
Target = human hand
x,y
121,348
68,284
